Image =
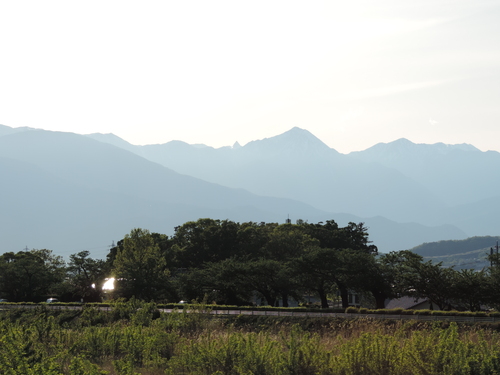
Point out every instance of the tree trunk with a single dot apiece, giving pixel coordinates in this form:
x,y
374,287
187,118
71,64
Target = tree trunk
x,y
271,301
284,298
322,297
380,298
344,295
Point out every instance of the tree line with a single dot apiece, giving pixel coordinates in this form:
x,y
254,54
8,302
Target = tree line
x,y
231,263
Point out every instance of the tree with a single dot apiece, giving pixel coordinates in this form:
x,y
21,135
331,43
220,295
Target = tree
x,y
323,270
317,270
331,236
364,273
30,275
252,237
470,289
205,240
411,276
140,267
340,261
265,276
285,244
87,275
223,282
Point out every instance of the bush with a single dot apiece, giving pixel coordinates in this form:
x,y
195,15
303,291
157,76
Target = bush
x,y
444,313
422,312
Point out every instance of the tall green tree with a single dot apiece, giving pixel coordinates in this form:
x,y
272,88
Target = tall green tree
x,y
411,276
140,267
341,261
331,236
205,240
285,244
323,270
225,283
266,276
318,270
471,289
30,275
86,276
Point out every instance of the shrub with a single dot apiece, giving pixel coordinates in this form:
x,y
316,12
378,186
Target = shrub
x,y
396,311
422,312
351,310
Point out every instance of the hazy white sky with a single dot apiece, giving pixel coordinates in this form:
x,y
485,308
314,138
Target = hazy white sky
x,y
354,73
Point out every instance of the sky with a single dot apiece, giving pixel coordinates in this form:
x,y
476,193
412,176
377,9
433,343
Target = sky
x,y
354,73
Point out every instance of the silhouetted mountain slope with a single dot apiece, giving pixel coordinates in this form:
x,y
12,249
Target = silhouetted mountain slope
x,y
296,144
4,130
113,140
297,165
65,181
406,182
69,193
456,246
93,164
469,253
480,218
407,233
458,174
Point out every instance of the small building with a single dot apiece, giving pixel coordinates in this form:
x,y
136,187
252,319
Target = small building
x,y
409,303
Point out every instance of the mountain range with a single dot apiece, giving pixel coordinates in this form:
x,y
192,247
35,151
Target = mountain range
x,y
402,181
70,192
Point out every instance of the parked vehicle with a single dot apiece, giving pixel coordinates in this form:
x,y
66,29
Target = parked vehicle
x,y
52,300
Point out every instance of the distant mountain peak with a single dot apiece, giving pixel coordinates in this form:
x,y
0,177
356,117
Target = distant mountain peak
x,y
295,139
300,133
4,129
298,130
402,141
439,147
403,145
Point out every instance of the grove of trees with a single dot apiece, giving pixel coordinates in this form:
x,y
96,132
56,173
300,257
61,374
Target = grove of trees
x,y
234,263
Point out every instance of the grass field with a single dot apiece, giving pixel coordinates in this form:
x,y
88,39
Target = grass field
x,y
135,338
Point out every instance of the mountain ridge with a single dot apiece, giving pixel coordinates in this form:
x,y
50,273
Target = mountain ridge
x,y
69,189
284,166
449,179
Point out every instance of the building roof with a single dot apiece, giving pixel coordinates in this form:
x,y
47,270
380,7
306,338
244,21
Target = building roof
x,y
405,303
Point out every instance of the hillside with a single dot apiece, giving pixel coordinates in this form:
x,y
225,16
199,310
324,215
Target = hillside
x,y
467,253
453,247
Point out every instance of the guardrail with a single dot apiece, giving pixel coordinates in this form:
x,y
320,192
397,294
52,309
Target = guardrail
x,y
454,318
281,313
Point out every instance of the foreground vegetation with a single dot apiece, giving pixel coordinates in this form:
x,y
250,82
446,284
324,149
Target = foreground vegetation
x,y
135,338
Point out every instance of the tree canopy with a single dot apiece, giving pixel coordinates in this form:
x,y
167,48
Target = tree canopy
x,y
243,263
